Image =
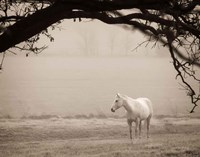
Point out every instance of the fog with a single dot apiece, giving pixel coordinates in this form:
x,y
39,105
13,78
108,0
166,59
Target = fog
x,y
84,68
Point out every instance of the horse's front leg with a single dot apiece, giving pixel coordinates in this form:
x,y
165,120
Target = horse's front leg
x,y
130,128
136,127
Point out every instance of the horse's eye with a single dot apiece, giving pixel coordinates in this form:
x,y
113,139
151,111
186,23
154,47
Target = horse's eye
x,y
116,100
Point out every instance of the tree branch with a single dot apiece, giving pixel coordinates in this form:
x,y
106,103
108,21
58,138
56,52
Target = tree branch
x,y
177,65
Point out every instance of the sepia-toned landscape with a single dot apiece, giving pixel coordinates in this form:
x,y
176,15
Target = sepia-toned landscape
x,y
63,109
70,68
51,136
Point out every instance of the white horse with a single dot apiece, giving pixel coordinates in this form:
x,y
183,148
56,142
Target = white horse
x,y
137,110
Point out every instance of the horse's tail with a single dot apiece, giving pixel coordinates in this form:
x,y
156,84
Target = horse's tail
x,y
149,103
147,121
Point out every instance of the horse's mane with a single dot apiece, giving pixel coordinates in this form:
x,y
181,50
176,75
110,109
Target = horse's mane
x,y
127,97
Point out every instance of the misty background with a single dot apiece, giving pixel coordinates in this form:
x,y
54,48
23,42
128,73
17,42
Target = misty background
x,y
84,68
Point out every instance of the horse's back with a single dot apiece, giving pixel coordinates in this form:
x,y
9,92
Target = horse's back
x,y
147,104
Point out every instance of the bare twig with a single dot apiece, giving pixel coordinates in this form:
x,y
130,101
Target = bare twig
x,y
2,60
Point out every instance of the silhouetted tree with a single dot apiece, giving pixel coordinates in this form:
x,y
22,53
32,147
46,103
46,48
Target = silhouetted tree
x,y
174,23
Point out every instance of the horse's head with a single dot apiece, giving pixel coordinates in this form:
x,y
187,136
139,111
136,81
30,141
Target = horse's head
x,y
118,102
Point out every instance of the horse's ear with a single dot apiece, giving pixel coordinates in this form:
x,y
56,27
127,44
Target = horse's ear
x,y
118,95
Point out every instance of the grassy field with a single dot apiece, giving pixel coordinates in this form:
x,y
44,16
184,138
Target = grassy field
x,y
108,137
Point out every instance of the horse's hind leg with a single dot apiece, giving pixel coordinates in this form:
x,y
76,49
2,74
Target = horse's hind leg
x,y
140,128
148,124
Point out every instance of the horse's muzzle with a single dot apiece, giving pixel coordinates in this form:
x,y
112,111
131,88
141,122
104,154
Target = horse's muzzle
x,y
112,110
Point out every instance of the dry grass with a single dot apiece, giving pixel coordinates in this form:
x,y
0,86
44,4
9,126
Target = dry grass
x,y
57,137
